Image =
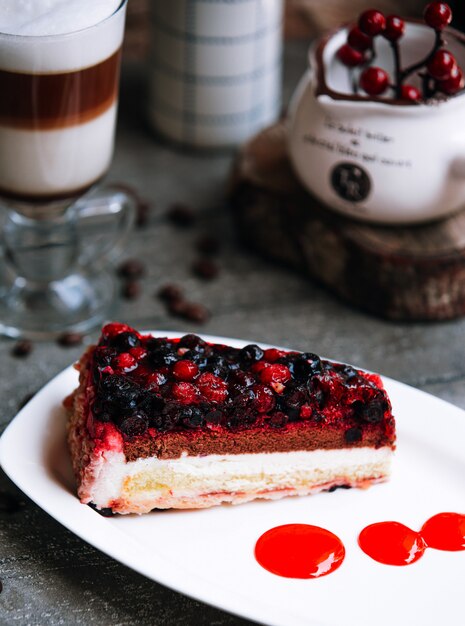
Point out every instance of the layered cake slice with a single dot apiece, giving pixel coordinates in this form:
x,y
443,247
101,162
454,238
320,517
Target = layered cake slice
x,y
162,423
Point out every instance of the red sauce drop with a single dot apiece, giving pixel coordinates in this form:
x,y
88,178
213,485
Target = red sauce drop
x,y
299,551
445,531
391,543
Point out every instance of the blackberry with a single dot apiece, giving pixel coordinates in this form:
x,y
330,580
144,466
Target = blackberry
x,y
163,356
352,435
217,365
192,417
118,394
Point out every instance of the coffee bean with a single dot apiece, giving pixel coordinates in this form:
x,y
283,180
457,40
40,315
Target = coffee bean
x,y
170,292
131,290
181,215
205,268
22,348
131,269
195,312
69,340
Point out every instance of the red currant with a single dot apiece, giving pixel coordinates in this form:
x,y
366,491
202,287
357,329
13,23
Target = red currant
x,y
273,354
374,81
441,65
453,84
409,92
275,373
138,353
124,361
395,27
264,398
372,22
185,370
358,40
438,15
111,330
349,56
185,393
213,387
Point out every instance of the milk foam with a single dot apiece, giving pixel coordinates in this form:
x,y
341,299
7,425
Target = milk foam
x,y
52,17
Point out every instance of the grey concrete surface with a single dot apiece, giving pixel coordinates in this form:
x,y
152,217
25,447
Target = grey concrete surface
x,y
51,577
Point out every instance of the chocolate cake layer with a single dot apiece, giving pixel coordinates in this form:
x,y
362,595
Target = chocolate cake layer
x,y
291,438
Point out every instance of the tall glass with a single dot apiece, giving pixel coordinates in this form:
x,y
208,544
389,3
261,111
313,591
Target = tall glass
x,y
58,102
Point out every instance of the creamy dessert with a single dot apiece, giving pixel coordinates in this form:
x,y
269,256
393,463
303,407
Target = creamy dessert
x,y
162,423
59,71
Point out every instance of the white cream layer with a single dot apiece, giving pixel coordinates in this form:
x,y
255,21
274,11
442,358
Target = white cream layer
x,y
146,481
53,161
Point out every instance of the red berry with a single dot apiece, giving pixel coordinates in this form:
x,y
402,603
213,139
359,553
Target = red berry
x,y
441,65
111,330
358,40
124,361
273,354
409,92
453,84
257,367
185,370
156,379
264,399
374,81
438,15
213,387
275,373
349,56
138,353
372,22
185,393
395,27
306,412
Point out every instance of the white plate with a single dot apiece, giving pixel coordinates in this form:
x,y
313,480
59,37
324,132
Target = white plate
x,y
208,554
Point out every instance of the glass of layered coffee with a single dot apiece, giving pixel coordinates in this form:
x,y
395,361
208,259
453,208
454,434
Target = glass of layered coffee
x,y
59,75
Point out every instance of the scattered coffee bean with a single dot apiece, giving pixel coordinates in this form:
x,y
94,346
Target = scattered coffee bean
x,y
131,269
22,348
205,268
131,290
181,215
208,244
69,340
170,292
177,307
195,312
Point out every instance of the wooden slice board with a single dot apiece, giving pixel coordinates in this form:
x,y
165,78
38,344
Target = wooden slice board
x,y
401,273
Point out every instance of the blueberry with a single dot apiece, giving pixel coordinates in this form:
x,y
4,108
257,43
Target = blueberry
x,y
217,365
163,355
251,353
349,373
118,394
371,412
124,341
192,417
353,435
193,342
133,425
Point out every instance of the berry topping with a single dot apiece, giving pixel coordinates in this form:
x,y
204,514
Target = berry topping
x,y
264,398
441,65
275,373
212,387
133,425
191,416
185,370
409,92
273,354
111,330
349,56
124,361
438,15
185,393
358,40
395,27
138,353
251,353
372,22
374,81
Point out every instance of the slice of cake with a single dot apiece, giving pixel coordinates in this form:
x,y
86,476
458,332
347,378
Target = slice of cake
x,y
182,423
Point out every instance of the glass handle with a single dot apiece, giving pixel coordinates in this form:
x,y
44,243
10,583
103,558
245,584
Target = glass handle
x,y
103,222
